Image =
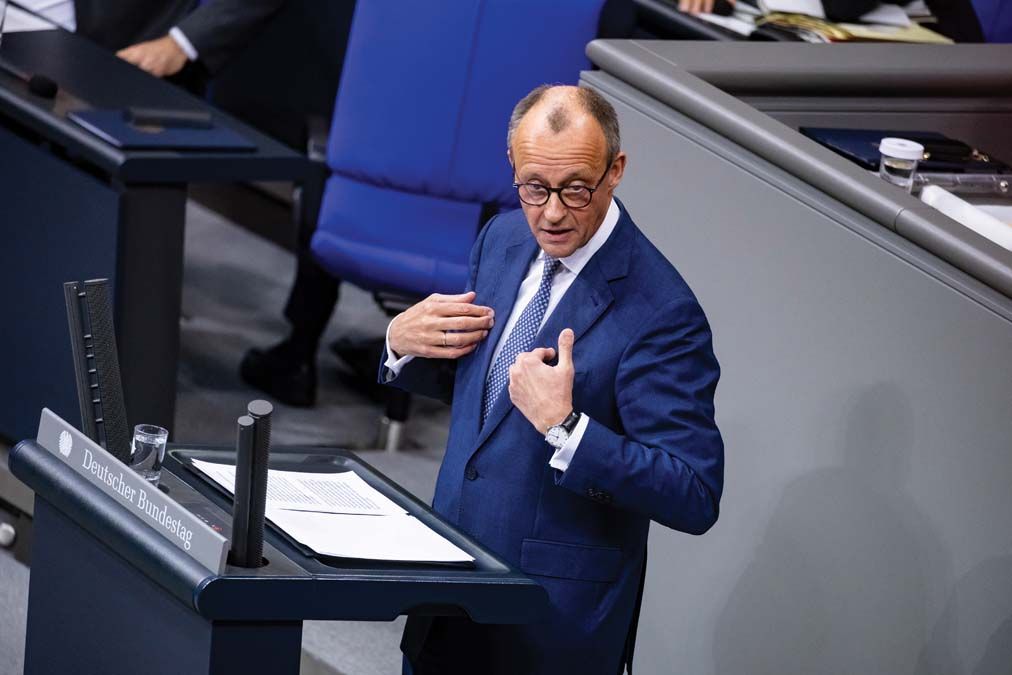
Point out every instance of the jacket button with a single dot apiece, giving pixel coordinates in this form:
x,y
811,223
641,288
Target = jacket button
x,y
471,473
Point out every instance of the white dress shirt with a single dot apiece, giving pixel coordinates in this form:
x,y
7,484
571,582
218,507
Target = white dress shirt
x,y
61,12
564,277
184,43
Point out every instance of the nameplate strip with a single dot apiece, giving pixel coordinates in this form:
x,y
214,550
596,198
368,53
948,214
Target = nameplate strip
x,y
141,498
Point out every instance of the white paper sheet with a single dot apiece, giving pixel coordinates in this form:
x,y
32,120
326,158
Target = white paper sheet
x,y
743,10
339,514
342,492
981,222
917,9
888,15
20,21
809,7
400,538
1002,212
734,23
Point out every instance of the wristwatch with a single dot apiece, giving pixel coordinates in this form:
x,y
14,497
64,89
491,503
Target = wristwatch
x,y
558,434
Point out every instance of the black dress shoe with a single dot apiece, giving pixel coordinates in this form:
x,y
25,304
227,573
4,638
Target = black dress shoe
x,y
279,374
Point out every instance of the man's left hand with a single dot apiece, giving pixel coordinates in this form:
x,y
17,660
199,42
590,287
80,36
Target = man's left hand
x,y
544,393
161,57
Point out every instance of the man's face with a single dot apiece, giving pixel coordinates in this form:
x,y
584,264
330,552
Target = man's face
x,y
576,155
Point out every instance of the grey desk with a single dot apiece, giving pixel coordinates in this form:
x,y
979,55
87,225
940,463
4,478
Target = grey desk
x,y
962,90
865,344
74,207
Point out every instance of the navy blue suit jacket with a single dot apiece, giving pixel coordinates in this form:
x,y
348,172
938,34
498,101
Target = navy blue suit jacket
x,y
646,376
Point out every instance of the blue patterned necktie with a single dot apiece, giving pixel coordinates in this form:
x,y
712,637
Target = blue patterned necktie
x,y
520,339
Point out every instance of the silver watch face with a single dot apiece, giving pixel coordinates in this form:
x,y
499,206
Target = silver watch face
x,y
557,436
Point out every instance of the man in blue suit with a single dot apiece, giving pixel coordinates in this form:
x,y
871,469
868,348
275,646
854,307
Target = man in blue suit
x,y
582,376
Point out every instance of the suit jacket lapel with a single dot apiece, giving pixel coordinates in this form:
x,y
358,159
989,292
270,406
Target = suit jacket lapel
x,y
513,267
584,302
590,295
587,298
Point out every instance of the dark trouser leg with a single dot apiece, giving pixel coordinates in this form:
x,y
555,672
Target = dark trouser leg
x,y
440,653
310,304
314,293
287,371
454,645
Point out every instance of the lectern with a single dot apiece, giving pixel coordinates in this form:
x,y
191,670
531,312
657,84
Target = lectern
x,y
110,593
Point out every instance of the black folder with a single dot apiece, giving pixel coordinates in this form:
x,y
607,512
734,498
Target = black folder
x,y
113,127
943,154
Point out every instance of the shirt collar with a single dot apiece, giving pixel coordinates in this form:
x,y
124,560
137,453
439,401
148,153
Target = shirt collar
x,y
579,258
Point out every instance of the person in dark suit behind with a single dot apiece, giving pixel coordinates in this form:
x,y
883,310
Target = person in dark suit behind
x,y
582,376
163,36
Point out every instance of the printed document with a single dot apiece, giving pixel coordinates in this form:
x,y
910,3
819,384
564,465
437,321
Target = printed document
x,y
399,538
339,514
343,492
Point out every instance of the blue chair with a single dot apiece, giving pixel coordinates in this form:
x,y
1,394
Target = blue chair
x,y
417,146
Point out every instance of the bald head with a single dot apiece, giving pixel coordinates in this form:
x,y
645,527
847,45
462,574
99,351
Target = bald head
x,y
564,143
559,107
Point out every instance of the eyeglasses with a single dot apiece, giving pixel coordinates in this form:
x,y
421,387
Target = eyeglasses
x,y
572,196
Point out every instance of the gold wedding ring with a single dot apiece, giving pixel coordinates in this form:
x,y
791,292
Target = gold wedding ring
x,y
444,338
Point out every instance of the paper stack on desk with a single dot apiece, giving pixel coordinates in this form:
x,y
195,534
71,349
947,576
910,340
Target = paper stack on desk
x,y
807,21
401,538
339,514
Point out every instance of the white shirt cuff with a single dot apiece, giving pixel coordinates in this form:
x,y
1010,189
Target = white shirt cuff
x,y
564,455
184,43
394,364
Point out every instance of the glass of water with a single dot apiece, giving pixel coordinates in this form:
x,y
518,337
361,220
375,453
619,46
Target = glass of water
x,y
147,451
899,161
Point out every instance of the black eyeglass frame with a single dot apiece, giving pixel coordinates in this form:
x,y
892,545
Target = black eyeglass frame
x,y
558,190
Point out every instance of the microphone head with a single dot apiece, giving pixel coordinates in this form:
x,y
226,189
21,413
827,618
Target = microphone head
x,y
40,85
259,408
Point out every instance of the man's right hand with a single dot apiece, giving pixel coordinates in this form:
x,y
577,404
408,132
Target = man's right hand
x,y
440,327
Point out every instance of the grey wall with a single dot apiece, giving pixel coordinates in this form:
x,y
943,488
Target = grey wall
x,y
866,407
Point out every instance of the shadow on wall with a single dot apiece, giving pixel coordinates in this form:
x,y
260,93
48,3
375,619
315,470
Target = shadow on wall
x,y
842,580
983,639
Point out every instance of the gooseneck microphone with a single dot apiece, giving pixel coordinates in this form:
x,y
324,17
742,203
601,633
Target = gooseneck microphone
x,y
253,448
40,85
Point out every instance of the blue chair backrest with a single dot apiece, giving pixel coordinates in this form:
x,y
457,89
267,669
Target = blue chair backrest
x,y
995,19
418,139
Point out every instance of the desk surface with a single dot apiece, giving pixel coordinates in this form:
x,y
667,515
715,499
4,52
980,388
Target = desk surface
x,y
794,68
91,77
